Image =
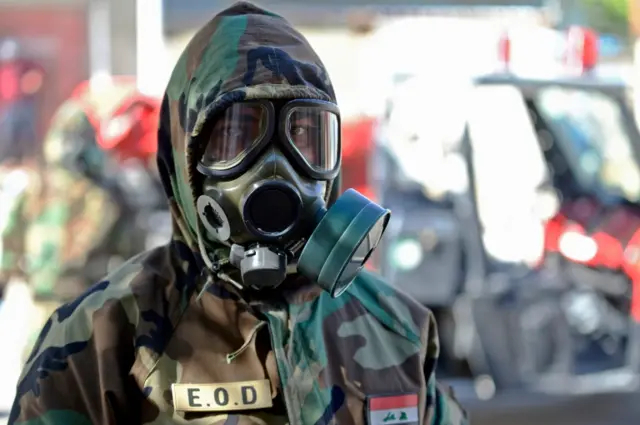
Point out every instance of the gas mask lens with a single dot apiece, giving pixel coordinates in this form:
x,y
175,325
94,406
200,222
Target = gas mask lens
x,y
314,134
240,129
308,131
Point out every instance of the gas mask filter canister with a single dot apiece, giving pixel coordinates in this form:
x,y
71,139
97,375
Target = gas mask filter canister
x,y
343,241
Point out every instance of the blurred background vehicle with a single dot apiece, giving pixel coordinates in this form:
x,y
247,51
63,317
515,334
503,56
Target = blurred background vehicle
x,y
481,174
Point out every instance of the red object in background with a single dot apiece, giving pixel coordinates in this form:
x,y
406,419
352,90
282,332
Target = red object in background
x,y
64,29
616,233
357,145
504,50
631,266
130,132
573,216
615,230
9,81
140,115
357,149
582,48
17,78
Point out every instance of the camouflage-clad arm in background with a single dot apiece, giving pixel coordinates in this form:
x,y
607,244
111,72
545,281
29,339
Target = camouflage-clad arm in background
x,y
19,190
76,212
77,216
15,186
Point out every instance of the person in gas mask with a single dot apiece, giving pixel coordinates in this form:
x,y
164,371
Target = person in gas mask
x,y
257,311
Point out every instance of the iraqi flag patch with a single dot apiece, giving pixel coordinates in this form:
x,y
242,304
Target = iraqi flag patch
x,y
393,410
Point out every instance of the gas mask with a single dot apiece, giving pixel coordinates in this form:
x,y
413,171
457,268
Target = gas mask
x,y
268,171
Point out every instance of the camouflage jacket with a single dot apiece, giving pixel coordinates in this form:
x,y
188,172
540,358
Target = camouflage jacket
x,y
139,348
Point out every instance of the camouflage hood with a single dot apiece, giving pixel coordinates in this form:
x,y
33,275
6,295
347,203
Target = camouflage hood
x,y
243,53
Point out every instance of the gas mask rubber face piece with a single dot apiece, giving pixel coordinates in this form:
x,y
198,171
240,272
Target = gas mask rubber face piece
x,y
268,167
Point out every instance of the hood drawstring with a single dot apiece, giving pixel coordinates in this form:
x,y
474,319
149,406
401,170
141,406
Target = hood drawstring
x,y
252,336
215,268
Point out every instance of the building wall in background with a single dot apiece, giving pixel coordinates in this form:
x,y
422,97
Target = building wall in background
x,y
56,36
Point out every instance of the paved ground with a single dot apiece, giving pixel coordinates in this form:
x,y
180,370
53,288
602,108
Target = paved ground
x,y
614,409
603,409
537,409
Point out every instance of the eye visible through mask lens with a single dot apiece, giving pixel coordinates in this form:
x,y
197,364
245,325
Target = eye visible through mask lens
x,y
308,131
240,129
314,134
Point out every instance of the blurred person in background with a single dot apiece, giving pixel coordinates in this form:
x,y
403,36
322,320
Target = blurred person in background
x,y
64,224
228,322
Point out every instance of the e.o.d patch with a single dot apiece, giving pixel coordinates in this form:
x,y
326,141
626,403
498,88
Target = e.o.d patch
x,y
229,396
393,410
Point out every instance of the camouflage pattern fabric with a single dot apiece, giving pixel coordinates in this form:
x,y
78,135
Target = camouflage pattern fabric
x,y
18,185
112,355
57,219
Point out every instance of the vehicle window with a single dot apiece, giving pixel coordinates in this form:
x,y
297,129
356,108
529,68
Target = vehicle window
x,y
591,129
509,168
423,133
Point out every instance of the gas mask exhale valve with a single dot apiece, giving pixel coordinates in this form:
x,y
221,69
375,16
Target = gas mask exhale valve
x,y
260,266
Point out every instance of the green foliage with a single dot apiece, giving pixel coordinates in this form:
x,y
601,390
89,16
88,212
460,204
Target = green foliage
x,y
607,16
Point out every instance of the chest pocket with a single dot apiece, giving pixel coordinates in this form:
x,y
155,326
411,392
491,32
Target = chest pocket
x,y
177,398
200,380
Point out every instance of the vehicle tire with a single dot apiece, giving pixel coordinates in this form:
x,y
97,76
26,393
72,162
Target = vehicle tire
x,y
545,348
524,340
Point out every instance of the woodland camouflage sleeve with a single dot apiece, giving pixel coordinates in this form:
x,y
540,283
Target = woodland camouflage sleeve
x,y
79,370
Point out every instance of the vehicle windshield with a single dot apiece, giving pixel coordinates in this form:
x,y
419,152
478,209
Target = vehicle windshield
x,y
591,130
421,132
